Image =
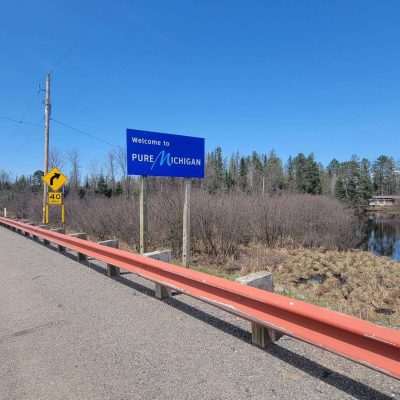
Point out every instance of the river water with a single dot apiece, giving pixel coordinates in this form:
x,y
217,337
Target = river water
x,y
383,235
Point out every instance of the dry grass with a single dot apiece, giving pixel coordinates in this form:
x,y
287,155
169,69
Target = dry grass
x,y
353,282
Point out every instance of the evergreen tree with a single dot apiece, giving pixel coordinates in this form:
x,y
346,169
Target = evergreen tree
x,y
258,172
299,164
274,175
365,189
102,187
348,182
118,189
290,171
37,180
384,176
215,171
243,169
312,178
340,191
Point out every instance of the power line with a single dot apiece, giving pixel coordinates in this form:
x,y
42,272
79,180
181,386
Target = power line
x,y
83,132
64,124
20,121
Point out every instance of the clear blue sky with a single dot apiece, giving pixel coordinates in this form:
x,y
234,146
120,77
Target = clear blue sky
x,y
294,76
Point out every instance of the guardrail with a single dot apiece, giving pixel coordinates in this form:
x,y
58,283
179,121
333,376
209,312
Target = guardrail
x,y
374,346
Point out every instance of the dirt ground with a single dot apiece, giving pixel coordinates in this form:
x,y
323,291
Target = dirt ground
x,y
353,282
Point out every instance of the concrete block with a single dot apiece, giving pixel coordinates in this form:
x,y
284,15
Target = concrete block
x,y
161,255
112,270
161,292
261,280
261,336
58,230
110,243
79,235
83,236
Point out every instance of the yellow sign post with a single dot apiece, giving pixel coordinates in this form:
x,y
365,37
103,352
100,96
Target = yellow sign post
x,y
55,180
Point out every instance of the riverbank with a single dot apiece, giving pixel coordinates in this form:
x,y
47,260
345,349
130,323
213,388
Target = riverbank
x,y
353,282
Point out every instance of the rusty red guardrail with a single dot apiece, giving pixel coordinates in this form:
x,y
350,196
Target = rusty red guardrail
x,y
372,345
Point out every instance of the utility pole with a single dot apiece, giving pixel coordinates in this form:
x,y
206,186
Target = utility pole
x,y
47,111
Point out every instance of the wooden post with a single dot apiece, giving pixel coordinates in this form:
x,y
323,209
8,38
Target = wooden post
x,y
61,249
161,292
47,112
80,235
261,336
112,270
186,225
5,212
143,215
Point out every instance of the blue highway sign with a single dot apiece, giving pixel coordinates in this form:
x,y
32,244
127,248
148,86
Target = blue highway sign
x,y
164,154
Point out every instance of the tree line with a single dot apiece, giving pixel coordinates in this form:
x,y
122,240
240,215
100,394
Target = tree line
x,y
353,181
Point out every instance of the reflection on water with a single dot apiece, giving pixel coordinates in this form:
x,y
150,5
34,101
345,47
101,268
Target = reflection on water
x,y
384,236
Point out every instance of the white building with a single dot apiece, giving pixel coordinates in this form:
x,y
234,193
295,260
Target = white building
x,y
384,201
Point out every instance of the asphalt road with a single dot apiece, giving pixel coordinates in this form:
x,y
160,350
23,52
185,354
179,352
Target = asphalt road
x,y
67,331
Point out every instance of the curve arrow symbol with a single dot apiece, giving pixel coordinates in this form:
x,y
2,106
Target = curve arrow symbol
x,y
55,176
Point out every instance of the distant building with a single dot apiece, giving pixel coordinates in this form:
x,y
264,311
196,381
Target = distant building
x,y
384,201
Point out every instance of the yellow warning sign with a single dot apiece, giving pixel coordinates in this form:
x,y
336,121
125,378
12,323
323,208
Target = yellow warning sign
x,y
55,198
55,179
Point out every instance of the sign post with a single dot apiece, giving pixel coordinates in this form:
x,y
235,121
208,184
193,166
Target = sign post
x,y
142,215
162,154
186,225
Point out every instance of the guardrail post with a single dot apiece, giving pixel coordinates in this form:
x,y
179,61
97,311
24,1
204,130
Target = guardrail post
x,y
83,236
26,221
45,242
160,291
34,237
17,230
261,336
61,249
112,270
5,212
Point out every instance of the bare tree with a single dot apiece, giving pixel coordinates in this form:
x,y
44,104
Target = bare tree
x,y
73,158
56,159
121,161
111,168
